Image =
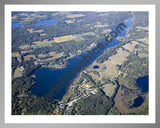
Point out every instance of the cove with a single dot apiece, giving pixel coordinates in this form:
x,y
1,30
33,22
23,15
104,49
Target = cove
x,y
45,77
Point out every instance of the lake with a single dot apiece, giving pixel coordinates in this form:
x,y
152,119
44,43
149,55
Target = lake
x,y
45,77
46,22
16,24
143,83
42,22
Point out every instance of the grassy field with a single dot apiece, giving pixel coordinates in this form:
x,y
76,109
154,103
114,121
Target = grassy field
x,y
52,56
43,42
17,55
110,89
79,20
111,64
70,21
18,72
32,30
142,28
142,55
130,46
39,31
74,15
63,38
143,48
24,46
145,40
42,34
103,14
109,68
100,26
119,58
88,34
27,51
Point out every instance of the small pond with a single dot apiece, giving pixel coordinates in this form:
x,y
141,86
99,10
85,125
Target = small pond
x,y
95,66
143,84
138,101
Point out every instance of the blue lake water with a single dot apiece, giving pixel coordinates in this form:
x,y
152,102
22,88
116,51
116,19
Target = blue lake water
x,y
47,79
95,66
138,101
42,22
46,22
143,83
16,24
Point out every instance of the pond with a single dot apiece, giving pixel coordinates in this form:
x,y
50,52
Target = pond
x,y
138,101
95,67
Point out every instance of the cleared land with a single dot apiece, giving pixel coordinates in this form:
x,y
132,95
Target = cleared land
x,y
103,14
17,55
130,46
32,30
110,89
63,38
18,72
26,51
100,26
119,58
53,56
29,57
144,40
43,42
74,15
42,34
142,28
24,46
143,48
70,21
